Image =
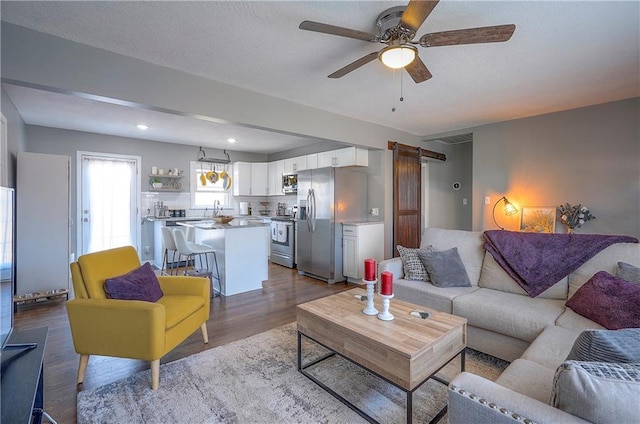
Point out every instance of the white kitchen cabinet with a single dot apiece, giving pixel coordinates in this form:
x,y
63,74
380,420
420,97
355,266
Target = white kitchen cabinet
x,y
276,169
312,161
250,178
349,156
359,242
293,165
43,212
259,179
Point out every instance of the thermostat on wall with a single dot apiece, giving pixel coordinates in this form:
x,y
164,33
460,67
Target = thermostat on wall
x,y
456,185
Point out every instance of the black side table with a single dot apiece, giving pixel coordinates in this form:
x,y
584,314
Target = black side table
x,y
22,390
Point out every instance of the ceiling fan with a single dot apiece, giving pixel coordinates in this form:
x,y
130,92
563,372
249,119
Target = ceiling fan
x,y
397,27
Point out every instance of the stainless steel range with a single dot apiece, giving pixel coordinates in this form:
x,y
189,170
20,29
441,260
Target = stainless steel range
x,y
283,241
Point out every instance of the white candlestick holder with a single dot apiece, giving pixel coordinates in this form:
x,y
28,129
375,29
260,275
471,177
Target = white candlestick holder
x,y
370,309
385,315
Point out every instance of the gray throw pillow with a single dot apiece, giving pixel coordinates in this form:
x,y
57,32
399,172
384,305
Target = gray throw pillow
x,y
628,272
445,268
598,392
411,264
607,346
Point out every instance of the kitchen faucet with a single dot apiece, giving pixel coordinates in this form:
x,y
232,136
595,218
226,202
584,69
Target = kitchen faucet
x,y
216,207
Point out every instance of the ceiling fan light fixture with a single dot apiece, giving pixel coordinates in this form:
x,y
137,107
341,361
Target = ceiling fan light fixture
x,y
397,56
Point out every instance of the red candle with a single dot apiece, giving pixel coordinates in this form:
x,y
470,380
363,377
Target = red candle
x,y
369,269
387,283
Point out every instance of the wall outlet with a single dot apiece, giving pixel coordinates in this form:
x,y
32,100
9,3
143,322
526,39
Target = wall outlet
x,y
375,211
487,200
147,249
464,201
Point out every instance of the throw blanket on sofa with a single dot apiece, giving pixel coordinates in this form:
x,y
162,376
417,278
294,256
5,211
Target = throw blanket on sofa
x,y
537,261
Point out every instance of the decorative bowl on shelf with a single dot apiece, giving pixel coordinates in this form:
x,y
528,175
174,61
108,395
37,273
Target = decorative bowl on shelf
x,y
222,219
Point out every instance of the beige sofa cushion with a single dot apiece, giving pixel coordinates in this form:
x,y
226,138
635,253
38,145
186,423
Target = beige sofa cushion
x,y
469,243
606,260
426,294
517,316
574,321
528,378
551,348
493,276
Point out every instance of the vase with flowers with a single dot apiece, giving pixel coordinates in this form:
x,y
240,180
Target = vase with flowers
x,y
573,216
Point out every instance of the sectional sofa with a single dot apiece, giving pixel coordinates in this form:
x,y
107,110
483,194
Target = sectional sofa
x,y
535,334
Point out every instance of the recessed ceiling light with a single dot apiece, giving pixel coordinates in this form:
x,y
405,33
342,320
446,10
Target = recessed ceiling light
x,y
231,140
142,127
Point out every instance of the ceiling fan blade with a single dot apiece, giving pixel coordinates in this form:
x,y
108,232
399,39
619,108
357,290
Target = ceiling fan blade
x,y
492,34
418,70
415,14
336,30
354,65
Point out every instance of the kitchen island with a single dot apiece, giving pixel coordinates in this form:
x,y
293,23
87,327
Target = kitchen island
x,y
241,249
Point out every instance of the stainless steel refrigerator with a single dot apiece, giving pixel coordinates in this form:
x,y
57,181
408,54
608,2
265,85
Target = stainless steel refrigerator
x,y
327,197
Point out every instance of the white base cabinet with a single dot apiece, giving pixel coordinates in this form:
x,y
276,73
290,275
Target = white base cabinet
x,y
359,242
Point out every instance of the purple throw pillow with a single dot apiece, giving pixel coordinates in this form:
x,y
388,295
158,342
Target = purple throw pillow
x,y
139,284
610,301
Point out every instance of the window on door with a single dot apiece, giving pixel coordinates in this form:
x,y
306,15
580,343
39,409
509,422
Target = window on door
x,y
204,191
109,202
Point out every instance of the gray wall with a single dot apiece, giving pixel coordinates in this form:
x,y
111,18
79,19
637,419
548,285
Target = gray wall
x,y
16,138
162,155
444,204
588,155
31,57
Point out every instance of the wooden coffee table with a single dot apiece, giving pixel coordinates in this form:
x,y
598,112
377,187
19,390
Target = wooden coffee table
x,y
405,352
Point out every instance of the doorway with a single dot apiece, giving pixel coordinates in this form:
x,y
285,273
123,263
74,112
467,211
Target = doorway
x,y
108,201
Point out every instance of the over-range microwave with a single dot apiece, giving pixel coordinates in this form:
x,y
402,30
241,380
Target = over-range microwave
x,y
290,183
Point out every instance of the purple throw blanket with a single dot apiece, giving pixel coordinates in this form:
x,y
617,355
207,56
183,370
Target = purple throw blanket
x,y
537,261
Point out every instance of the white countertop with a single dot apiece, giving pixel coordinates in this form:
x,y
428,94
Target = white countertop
x,y
235,224
363,223
175,219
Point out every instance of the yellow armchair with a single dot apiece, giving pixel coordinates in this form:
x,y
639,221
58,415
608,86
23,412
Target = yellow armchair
x,y
131,328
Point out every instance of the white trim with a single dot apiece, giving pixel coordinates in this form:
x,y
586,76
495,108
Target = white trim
x,y
138,160
425,194
4,153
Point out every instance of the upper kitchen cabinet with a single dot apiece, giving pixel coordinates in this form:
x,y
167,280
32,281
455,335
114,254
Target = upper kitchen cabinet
x,y
293,165
312,161
276,169
349,156
250,179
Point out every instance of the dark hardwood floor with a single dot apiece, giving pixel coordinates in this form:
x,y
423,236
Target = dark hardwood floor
x,y
232,318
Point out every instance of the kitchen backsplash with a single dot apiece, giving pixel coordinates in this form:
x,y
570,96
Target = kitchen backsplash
x,y
182,201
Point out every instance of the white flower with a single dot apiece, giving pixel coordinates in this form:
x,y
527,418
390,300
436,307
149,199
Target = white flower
x,y
564,217
581,216
584,209
581,221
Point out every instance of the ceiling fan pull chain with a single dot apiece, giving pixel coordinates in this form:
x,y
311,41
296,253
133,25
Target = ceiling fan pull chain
x,y
393,94
401,86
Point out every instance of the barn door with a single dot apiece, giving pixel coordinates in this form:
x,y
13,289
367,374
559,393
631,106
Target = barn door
x,y
407,189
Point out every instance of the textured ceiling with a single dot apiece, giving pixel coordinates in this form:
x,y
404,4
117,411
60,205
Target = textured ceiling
x,y
564,54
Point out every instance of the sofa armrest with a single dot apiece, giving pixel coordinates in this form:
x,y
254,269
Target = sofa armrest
x,y
394,265
183,284
472,398
122,328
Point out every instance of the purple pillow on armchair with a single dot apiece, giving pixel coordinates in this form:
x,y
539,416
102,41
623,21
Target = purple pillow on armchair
x,y
610,301
139,284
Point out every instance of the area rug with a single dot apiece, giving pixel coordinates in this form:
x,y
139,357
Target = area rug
x,y
255,380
